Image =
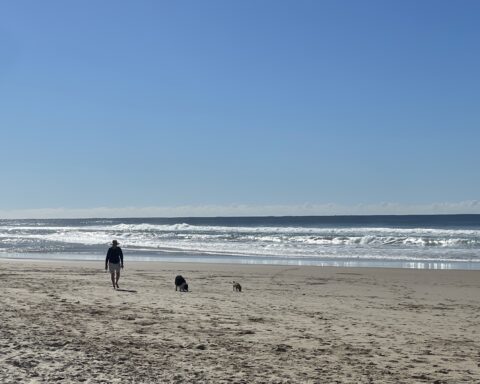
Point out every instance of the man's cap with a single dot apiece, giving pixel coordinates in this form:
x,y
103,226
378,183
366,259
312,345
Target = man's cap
x,y
115,242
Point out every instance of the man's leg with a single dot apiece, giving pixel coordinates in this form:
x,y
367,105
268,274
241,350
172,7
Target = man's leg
x,y
112,275
118,277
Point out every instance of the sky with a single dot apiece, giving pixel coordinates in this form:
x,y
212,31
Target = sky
x,y
191,108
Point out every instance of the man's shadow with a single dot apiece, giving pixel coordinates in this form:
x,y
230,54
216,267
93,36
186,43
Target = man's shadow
x,y
125,290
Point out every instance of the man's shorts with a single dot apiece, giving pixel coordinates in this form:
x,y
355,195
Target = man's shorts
x,y
114,267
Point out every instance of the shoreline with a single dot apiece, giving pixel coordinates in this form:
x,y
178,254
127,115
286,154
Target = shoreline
x,y
257,260
62,321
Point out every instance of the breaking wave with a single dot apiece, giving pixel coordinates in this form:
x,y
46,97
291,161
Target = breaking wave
x,y
93,236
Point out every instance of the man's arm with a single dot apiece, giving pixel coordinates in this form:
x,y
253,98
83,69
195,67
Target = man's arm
x,y
106,259
121,257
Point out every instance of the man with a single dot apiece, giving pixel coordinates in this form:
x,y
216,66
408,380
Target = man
x,y
114,262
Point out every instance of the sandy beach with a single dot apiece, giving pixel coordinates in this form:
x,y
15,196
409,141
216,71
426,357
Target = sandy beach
x,y
63,322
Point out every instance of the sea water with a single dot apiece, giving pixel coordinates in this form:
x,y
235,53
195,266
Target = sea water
x,y
426,241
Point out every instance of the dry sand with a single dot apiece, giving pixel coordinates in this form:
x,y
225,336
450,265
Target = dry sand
x,y
63,322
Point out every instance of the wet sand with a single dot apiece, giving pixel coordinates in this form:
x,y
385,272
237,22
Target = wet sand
x,y
63,322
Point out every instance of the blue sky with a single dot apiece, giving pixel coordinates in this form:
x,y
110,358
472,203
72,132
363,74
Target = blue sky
x,y
205,107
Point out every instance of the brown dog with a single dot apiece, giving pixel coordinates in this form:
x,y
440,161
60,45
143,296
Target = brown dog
x,y
237,287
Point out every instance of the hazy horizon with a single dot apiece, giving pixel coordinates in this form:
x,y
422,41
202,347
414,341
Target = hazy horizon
x,y
239,210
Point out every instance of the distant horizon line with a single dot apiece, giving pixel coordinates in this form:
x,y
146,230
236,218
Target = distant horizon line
x,y
243,216
470,207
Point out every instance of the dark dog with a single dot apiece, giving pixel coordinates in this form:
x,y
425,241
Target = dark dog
x,y
181,284
237,287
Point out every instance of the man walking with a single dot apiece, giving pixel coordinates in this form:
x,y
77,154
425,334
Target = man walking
x,y
114,262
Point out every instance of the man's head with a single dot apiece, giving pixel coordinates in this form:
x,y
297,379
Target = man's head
x,y
114,243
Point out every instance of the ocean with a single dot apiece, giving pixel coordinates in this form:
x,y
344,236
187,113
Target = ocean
x,y
423,241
